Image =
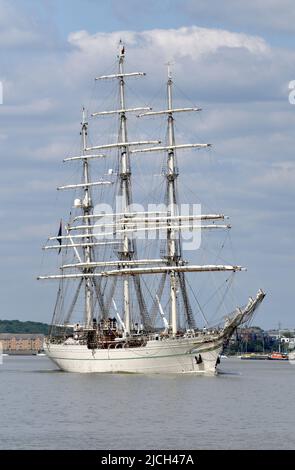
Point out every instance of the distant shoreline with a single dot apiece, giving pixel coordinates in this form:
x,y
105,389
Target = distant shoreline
x,y
23,327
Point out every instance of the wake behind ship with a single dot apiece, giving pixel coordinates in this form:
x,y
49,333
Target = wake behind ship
x,y
118,309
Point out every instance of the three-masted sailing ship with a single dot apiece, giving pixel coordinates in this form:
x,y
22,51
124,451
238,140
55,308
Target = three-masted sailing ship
x,y
102,271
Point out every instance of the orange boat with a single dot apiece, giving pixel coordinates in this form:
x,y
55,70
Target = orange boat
x,y
277,356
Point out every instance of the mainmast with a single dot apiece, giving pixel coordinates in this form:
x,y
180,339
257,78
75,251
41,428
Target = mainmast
x,y
86,207
124,184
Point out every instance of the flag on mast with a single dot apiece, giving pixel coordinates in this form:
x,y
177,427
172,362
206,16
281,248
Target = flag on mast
x,y
59,235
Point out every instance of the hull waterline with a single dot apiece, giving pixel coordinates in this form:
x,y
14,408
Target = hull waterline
x,y
171,356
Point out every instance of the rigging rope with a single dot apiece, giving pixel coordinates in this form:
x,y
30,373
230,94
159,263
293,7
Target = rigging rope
x,y
155,307
75,298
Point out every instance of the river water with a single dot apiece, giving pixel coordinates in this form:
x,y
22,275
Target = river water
x,y
250,405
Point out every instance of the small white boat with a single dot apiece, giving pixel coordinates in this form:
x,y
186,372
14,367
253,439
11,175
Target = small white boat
x,y
292,357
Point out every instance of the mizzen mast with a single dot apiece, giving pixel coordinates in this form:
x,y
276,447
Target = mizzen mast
x,y
173,248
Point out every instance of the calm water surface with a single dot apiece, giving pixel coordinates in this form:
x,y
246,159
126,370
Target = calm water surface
x,y
250,405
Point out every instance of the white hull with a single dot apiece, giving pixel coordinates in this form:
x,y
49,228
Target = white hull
x,y
292,357
165,356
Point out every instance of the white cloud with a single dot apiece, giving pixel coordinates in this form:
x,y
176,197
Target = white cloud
x,y
154,48
182,42
207,62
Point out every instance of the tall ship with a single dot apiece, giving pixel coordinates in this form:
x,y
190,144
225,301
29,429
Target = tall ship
x,y
120,308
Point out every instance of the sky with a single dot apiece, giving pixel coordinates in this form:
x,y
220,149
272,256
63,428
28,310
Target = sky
x,y
233,59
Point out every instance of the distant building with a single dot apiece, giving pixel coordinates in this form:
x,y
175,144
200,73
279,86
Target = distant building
x,y
21,343
285,337
274,334
290,342
252,339
253,333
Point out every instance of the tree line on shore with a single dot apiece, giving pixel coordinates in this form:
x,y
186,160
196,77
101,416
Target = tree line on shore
x,y
24,327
